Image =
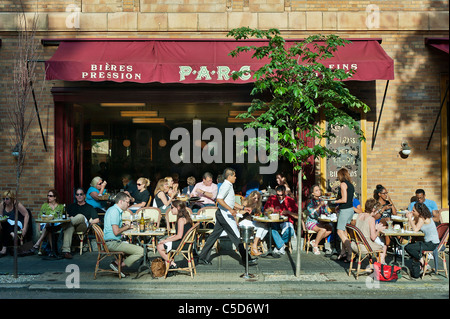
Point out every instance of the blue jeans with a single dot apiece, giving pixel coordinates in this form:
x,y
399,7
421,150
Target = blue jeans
x,y
278,239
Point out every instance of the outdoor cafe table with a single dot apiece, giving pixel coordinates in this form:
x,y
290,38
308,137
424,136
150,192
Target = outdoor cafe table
x,y
329,219
53,221
398,236
145,266
268,220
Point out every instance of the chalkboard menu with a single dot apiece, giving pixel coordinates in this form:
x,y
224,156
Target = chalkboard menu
x,y
348,147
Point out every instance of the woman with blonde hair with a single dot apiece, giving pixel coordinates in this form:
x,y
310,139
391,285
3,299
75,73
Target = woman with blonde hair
x,y
345,200
162,193
142,196
184,223
94,192
7,227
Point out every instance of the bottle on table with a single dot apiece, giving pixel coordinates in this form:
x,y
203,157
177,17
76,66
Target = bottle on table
x,y
142,223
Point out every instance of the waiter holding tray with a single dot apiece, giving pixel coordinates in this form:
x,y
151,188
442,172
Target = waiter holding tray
x,y
225,220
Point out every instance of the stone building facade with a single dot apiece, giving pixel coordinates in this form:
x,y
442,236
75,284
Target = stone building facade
x,y
412,100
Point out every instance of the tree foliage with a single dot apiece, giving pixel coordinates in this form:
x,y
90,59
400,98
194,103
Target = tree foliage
x,y
299,88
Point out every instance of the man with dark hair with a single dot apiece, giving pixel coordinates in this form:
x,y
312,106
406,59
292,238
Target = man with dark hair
x,y
81,215
225,220
113,230
431,205
285,205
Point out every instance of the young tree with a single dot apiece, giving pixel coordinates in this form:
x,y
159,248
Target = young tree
x,y
298,89
21,112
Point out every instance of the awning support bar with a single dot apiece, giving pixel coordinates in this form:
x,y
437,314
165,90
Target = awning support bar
x,y
379,117
37,110
439,114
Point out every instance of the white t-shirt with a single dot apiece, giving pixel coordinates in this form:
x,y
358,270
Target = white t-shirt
x,y
226,192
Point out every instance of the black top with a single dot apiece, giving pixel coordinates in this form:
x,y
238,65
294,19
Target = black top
x,y
350,194
176,243
159,202
143,196
87,210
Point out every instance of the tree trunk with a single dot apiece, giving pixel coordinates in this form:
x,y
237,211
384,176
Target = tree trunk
x,y
299,225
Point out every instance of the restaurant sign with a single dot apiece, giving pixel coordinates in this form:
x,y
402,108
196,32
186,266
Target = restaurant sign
x,y
219,73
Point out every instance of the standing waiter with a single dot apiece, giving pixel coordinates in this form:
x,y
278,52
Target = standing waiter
x,y
225,220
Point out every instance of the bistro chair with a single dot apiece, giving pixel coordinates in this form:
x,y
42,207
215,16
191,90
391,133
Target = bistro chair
x,y
82,235
308,234
149,202
185,249
171,220
362,248
104,252
206,227
438,252
153,216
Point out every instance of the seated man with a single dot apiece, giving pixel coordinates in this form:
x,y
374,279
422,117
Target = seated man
x,y
286,206
81,215
206,190
113,229
431,205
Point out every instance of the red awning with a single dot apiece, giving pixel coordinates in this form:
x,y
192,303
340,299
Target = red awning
x,y
191,61
438,43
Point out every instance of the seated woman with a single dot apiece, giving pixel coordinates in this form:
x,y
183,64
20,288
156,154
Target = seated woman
x,y
254,202
317,207
424,222
386,209
184,223
188,189
163,199
92,195
142,195
7,227
370,229
54,208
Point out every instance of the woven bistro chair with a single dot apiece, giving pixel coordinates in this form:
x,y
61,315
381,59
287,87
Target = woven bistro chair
x,y
153,214
362,248
104,252
206,227
438,252
82,235
185,249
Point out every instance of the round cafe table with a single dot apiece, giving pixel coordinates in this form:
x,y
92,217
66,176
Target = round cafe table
x,y
269,221
53,221
398,236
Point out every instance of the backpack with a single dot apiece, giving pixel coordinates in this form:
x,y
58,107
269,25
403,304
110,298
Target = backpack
x,y
158,267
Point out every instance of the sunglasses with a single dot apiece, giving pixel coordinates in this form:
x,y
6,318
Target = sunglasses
x,y
50,195
6,198
79,194
138,184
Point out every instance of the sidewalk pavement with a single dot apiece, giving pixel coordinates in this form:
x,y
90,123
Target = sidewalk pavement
x,y
273,276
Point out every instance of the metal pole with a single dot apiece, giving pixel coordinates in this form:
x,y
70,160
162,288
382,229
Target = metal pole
x,y
439,114
379,117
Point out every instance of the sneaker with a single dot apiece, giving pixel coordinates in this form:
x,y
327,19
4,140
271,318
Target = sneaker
x,y
282,251
114,267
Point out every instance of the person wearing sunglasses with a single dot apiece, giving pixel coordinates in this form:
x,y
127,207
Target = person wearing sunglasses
x,y
286,206
142,195
113,229
431,205
97,189
81,215
52,207
7,227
